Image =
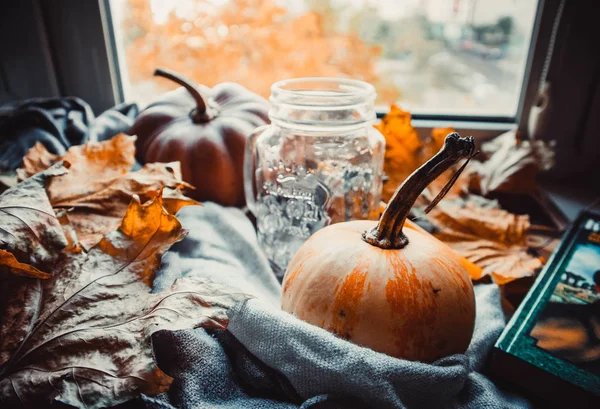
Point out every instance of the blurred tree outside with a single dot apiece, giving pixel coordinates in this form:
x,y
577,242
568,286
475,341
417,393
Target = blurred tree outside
x,y
431,56
252,42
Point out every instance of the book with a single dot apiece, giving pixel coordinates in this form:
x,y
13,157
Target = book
x,y
550,348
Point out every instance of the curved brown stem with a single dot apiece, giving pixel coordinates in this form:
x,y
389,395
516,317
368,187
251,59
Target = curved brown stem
x,y
203,111
388,232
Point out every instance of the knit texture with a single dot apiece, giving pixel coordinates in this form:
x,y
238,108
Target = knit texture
x,y
269,359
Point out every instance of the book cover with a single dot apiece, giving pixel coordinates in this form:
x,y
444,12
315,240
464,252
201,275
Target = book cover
x,y
551,346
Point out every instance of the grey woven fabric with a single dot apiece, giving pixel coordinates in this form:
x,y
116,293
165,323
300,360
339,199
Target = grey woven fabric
x,y
269,359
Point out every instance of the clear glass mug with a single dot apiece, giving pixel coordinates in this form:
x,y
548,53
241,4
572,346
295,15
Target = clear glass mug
x,y
320,161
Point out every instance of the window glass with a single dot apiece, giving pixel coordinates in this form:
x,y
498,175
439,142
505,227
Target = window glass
x,y
456,57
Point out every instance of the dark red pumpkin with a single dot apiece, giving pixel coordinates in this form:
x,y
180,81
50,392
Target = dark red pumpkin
x,y
206,130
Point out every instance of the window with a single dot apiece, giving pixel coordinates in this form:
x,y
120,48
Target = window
x,y
440,57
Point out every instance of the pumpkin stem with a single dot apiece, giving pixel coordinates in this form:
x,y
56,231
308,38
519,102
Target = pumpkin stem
x,y
204,111
388,233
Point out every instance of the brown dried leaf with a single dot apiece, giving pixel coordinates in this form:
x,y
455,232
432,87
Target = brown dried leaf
x,y
504,263
405,152
29,229
492,238
36,160
83,338
12,265
402,145
94,166
174,200
436,141
94,215
512,165
99,187
19,302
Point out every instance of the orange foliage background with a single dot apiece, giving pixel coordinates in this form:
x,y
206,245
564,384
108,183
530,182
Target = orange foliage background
x,y
252,42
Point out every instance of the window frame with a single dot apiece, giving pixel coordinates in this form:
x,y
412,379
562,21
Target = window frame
x,y
81,57
86,33
482,127
79,32
25,74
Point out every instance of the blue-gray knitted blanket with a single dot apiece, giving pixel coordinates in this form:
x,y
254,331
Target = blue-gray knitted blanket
x,y
269,359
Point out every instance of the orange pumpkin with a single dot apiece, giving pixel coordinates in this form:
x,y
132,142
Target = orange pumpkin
x,y
206,130
388,285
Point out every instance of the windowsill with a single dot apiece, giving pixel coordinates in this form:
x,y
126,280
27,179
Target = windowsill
x,y
568,198
482,131
468,125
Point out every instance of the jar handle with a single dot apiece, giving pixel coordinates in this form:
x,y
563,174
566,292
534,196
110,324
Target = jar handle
x,y
249,168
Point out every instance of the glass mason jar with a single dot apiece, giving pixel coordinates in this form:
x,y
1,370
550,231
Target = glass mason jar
x,y
320,161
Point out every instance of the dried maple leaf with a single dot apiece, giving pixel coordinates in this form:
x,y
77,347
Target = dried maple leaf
x,y
174,200
30,234
99,186
37,159
401,148
9,263
82,337
436,141
405,152
110,158
94,215
512,165
491,238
